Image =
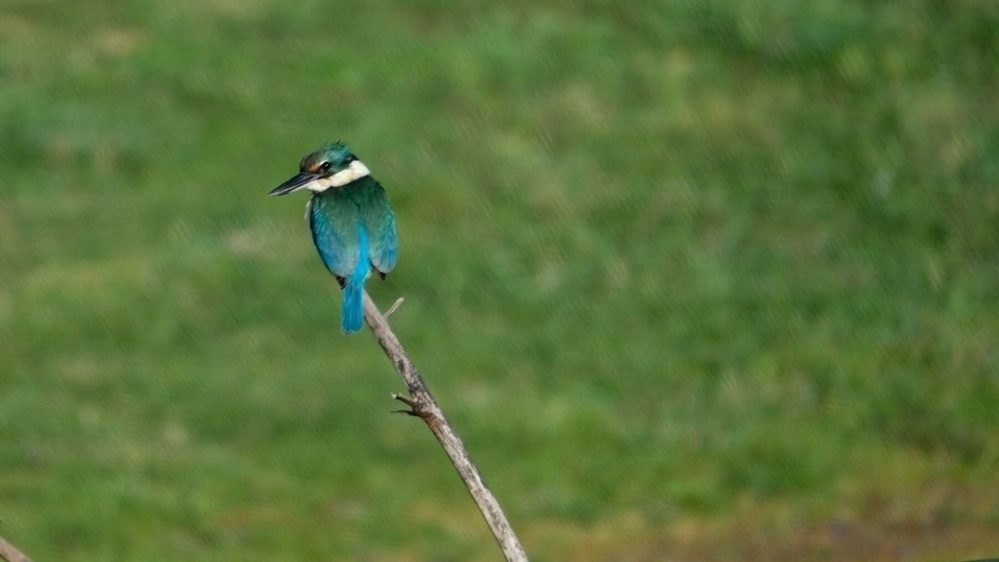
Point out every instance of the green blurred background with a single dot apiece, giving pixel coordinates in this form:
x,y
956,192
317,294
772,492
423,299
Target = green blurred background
x,y
694,280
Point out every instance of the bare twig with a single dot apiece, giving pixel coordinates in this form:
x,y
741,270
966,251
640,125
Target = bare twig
x,y
9,553
423,405
393,308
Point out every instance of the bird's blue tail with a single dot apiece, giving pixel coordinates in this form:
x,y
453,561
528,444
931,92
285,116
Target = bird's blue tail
x,y
352,316
353,305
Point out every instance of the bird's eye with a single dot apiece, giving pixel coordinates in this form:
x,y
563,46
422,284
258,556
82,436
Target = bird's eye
x,y
324,167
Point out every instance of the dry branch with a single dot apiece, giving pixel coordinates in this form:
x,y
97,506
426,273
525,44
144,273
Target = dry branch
x,y
9,553
423,405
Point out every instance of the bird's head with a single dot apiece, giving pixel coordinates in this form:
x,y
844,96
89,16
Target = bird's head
x,y
333,165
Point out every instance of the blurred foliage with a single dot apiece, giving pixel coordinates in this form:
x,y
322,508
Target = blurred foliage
x,y
709,280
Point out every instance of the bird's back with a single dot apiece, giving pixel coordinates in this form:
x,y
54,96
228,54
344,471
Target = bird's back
x,y
337,216
333,219
378,220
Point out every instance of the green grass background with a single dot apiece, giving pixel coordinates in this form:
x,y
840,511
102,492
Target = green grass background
x,y
694,280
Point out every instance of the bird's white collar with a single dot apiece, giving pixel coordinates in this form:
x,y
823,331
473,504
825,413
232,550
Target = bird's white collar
x,y
353,172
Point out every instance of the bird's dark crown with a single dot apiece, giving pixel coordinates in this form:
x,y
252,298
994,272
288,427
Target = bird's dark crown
x,y
329,159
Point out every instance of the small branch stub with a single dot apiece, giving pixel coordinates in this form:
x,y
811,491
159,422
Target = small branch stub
x,y
395,306
407,401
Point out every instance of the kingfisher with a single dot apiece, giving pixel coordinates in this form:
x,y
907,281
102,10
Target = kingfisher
x,y
352,224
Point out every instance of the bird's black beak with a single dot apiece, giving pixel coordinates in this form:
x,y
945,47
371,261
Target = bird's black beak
x,y
295,183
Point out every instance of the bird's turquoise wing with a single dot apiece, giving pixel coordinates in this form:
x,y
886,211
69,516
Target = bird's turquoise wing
x,y
333,218
378,222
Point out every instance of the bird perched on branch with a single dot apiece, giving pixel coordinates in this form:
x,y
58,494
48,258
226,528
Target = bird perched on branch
x,y
352,224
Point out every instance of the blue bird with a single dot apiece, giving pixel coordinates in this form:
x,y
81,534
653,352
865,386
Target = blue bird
x,y
352,224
